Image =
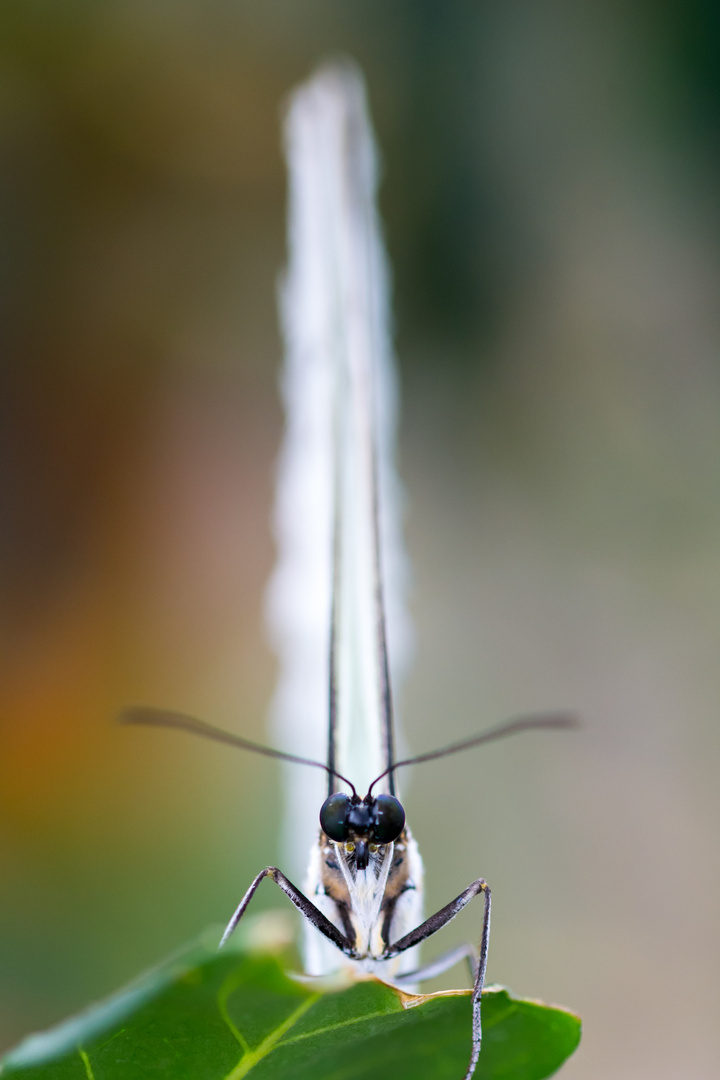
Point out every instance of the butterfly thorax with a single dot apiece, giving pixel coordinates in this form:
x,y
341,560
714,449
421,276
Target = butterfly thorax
x,y
364,899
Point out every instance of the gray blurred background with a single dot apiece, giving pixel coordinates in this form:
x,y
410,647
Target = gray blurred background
x,y
551,210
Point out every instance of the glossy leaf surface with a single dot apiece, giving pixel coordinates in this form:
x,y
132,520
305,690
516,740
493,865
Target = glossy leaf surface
x,y
225,1016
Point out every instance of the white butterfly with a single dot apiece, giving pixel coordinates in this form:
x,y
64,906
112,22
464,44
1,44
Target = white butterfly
x,y
340,568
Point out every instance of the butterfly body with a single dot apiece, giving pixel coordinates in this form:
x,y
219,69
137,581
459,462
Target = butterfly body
x,y
372,907
362,895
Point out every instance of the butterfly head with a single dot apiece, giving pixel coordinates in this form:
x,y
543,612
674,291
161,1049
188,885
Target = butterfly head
x,y
348,819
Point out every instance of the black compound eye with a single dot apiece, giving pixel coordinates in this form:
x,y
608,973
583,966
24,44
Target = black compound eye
x,y
389,819
333,816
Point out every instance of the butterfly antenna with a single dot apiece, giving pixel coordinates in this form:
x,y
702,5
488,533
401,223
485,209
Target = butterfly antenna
x,y
539,722
151,717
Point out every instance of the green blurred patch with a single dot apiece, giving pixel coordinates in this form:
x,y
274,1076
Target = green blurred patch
x,y
214,1016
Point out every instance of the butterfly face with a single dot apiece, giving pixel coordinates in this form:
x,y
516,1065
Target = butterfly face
x,y
372,820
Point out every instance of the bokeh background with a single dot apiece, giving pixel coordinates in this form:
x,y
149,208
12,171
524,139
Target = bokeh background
x,y
551,209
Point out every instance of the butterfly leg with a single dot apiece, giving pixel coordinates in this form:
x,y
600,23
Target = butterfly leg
x,y
301,902
442,964
436,922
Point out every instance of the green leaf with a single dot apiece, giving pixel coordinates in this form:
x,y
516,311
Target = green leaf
x,y
210,1016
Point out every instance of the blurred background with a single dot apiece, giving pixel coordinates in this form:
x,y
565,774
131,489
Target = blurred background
x,y
551,210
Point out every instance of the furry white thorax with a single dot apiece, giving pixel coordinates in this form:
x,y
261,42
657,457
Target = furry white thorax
x,y
367,889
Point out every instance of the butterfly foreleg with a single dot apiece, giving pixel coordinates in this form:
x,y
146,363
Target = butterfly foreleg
x,y
301,902
436,922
